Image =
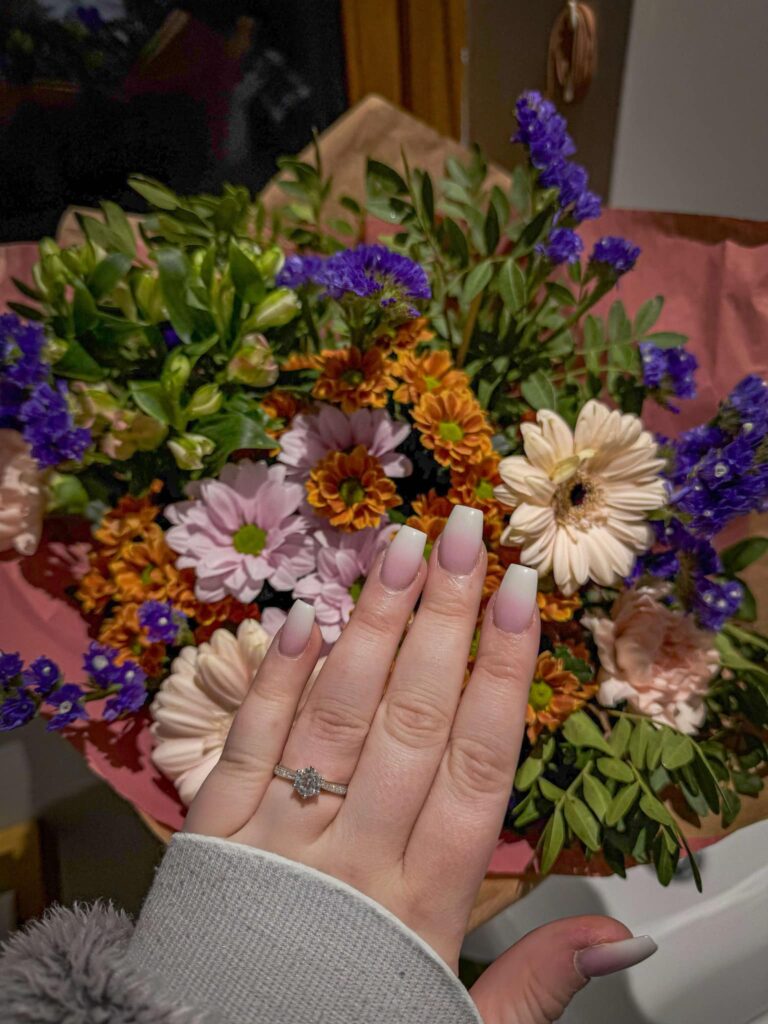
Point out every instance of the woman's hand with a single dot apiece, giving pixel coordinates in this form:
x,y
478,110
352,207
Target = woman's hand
x,y
429,767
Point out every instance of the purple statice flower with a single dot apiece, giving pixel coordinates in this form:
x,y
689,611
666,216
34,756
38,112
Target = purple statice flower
x,y
562,246
373,271
716,601
615,256
11,666
299,269
722,486
676,547
542,130
668,371
48,426
21,365
587,207
571,180
43,674
131,697
89,17
16,711
750,400
692,446
160,621
99,663
170,337
68,703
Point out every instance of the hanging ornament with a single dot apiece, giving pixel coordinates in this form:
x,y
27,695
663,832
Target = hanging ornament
x,y
572,57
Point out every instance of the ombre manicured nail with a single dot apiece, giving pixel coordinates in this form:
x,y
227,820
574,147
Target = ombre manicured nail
x,y
461,540
403,558
595,961
516,599
297,629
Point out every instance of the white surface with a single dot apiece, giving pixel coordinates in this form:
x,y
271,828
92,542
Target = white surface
x,y
692,134
712,962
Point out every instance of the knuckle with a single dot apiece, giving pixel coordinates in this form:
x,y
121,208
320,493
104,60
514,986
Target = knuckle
x,y
335,722
450,603
240,763
476,767
495,664
415,720
369,622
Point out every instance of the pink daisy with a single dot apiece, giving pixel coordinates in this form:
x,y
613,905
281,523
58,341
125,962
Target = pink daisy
x,y
312,436
241,530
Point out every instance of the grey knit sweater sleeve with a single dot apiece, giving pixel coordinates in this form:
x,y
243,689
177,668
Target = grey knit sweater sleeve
x,y
230,935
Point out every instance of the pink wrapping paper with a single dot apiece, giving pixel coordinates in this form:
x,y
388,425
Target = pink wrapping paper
x,y
714,275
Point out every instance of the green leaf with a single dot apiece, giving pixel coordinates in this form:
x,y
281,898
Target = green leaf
x,y
731,807
231,431
341,226
527,814
653,752
597,796
477,279
512,285
647,316
733,658
581,731
676,750
619,325
107,273
622,803
248,282
120,227
383,179
84,312
563,296
454,240
664,861
639,744
491,231
428,198
738,556
707,783
151,398
538,391
666,339
78,364
28,312
528,772
620,736
27,290
655,809
747,784
748,608
173,268
612,768
154,192
534,231
553,839
582,822
550,790
593,342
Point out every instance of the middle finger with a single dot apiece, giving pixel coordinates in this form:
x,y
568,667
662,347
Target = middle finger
x,y
412,724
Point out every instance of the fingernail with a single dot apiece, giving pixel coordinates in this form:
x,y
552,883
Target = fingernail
x,y
297,629
461,540
516,599
403,558
595,961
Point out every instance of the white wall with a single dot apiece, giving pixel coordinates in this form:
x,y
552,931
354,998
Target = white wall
x,y
693,128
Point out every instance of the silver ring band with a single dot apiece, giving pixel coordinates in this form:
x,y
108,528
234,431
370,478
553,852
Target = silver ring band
x,y
308,781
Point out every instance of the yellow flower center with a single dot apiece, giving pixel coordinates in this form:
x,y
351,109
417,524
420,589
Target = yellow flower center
x,y
356,588
249,539
450,431
540,695
353,377
484,490
351,491
431,383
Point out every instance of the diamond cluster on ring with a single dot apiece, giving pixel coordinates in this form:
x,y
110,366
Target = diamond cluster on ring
x,y
307,782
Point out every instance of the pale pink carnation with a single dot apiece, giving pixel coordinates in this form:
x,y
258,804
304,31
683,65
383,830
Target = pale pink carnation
x,y
656,659
313,435
240,531
22,495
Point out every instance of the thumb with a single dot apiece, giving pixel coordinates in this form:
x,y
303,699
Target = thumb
x,y
534,980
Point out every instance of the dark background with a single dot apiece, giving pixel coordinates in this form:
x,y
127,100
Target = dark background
x,y
219,102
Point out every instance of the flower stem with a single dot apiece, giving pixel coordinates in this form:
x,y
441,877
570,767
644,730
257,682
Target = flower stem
x,y
469,327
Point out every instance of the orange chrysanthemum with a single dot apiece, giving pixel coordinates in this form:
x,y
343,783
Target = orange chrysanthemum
x,y
351,490
131,563
433,371
554,695
472,484
301,361
554,607
283,406
354,379
407,336
430,514
454,427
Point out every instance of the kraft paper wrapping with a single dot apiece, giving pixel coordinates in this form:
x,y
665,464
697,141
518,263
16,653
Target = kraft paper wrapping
x,y
714,275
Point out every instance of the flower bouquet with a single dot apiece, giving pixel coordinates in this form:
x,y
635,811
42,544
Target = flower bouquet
x,y
245,407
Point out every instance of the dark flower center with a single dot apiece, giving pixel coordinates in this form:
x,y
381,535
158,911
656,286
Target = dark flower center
x,y
353,377
578,494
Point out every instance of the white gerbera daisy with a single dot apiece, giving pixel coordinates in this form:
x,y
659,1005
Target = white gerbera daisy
x,y
581,498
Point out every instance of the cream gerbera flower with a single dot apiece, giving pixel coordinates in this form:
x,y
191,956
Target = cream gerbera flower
x,y
195,705
581,498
